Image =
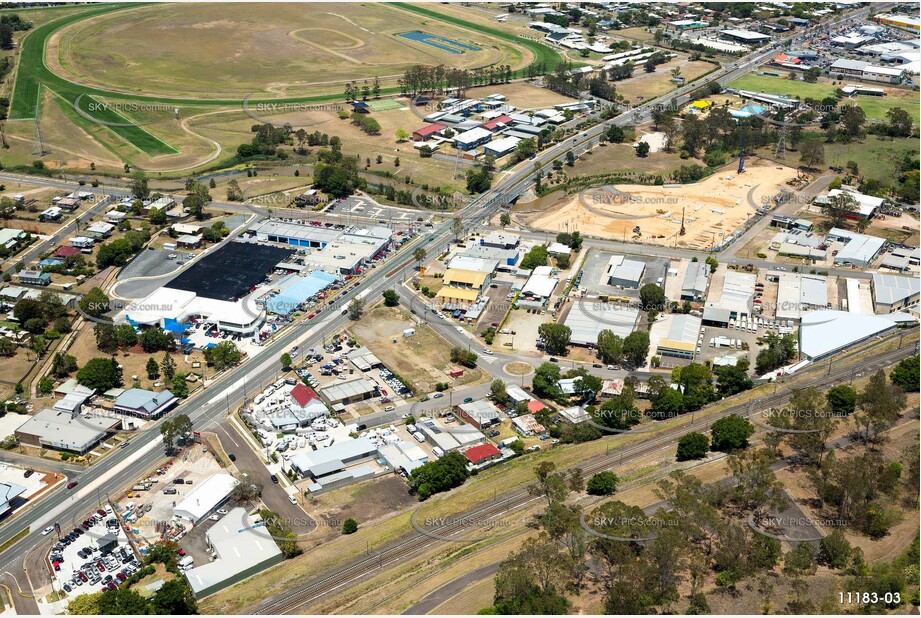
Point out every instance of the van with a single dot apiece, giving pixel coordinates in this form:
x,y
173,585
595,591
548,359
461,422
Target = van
x,y
437,452
419,437
186,562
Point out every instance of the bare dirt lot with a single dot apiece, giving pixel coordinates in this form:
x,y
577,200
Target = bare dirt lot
x,y
713,208
423,359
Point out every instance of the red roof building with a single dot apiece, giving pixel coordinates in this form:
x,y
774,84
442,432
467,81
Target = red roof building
x,y
303,395
64,252
420,135
535,406
482,453
493,124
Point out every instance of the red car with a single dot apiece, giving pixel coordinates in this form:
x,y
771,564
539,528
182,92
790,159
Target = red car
x,y
83,576
111,586
72,484
101,513
121,577
101,566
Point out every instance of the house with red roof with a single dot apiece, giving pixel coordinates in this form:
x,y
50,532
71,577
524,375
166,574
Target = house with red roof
x,y
535,406
420,135
482,454
64,252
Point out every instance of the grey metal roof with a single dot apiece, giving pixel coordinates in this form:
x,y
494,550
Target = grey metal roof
x,y
890,289
66,431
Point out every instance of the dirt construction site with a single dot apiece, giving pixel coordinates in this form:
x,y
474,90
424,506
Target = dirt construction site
x,y
708,211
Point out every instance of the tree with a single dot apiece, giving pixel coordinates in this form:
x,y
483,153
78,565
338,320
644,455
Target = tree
x,y
668,404
555,486
906,374
234,192
7,347
349,526
94,303
731,380
402,135
223,355
168,435
84,604
731,433
610,347
463,357
419,256
126,336
356,308
178,385
154,340
505,219
546,381
618,412
636,348
841,399
880,404
497,392
457,228
693,445
852,119
153,368
440,475
900,122
45,385
100,374
196,200
652,297
391,298
835,551
602,484
839,207
537,256
173,598
642,149
168,366
556,337
812,153
615,134
285,360
63,364
138,187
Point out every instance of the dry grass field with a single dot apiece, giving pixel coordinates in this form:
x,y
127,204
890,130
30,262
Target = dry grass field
x,y
271,49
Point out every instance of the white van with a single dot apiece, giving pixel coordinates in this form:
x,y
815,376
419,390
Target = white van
x,y
419,437
437,452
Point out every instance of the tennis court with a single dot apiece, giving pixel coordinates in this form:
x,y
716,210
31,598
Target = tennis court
x,y
382,105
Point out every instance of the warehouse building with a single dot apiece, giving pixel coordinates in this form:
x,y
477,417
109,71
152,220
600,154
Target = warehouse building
x,y
505,258
681,340
242,549
798,293
321,464
205,498
894,292
65,431
481,413
859,250
624,272
694,286
737,294
350,391
823,333
144,404
500,240
587,319
745,36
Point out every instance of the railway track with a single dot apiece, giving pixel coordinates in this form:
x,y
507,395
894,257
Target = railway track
x,y
416,542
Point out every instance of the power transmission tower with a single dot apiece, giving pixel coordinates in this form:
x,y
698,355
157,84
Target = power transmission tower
x,y
40,148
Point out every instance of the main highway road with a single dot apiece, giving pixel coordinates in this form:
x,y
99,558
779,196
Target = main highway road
x,y
207,407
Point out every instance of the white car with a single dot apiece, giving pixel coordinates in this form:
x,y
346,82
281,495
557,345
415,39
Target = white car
x,y
47,530
214,518
292,500
487,351
389,409
222,511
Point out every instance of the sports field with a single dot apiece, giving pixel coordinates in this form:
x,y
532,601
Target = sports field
x,y
874,107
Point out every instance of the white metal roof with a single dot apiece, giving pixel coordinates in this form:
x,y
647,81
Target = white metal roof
x,y
206,497
587,319
890,289
825,332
